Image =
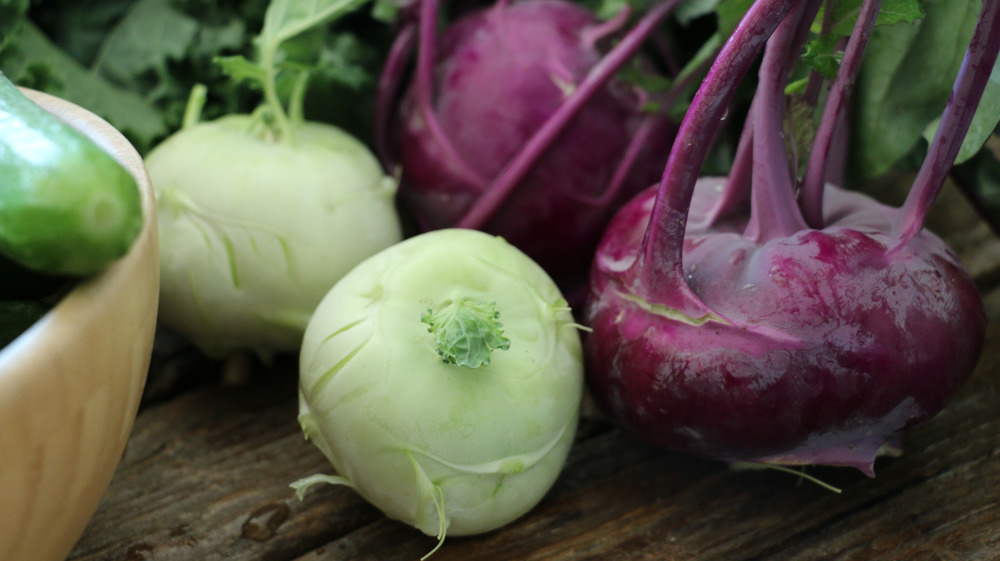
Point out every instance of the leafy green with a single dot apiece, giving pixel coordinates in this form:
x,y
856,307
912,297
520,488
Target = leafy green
x,y
845,14
31,60
288,49
690,10
287,18
135,62
11,14
466,332
983,123
905,82
823,56
822,53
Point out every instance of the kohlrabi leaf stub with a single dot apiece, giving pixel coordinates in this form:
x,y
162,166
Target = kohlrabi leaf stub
x,y
446,449
466,332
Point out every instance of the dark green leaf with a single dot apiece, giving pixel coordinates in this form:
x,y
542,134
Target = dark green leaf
x,y
730,13
690,10
149,36
905,82
823,55
287,18
12,12
846,12
240,69
32,60
983,123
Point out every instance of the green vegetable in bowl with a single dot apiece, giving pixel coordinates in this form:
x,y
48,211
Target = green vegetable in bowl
x,y
442,378
67,207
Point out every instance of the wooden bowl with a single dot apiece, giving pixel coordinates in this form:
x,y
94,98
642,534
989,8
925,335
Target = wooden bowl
x,y
70,385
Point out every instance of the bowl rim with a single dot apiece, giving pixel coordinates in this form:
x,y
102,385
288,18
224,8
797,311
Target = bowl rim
x,y
74,307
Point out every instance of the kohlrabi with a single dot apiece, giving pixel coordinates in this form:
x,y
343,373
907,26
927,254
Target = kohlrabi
x,y
516,123
261,214
442,378
771,316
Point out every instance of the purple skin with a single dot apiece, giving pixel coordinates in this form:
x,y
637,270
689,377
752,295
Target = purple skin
x,y
827,350
526,134
725,327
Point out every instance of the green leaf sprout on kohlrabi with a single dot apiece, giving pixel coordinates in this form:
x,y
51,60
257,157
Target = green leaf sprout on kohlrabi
x,y
445,420
261,214
466,331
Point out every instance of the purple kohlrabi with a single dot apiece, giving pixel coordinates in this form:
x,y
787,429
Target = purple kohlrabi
x,y
516,124
728,325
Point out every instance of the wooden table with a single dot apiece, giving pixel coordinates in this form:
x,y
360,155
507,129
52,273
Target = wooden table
x,y
206,477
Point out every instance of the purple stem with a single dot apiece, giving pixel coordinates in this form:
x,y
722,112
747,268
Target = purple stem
x,y
663,49
425,92
955,120
503,185
815,176
837,158
661,268
635,146
774,212
592,35
736,192
388,88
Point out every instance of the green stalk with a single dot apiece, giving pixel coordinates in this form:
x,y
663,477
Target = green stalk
x,y
286,133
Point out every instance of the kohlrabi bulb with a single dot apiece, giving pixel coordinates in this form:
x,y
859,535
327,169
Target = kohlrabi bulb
x,y
254,231
442,378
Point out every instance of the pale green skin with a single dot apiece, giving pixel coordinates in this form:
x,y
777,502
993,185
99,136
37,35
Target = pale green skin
x,y
254,232
404,428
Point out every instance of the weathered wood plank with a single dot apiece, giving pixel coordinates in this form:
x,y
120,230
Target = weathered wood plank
x,y
206,477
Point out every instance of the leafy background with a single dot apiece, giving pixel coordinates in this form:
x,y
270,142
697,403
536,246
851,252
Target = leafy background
x,y
134,62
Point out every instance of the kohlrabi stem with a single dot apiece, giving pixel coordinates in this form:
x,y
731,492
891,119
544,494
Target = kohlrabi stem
x,y
592,35
388,89
515,170
621,174
297,99
638,142
736,191
661,268
280,118
195,103
425,92
774,212
955,120
815,176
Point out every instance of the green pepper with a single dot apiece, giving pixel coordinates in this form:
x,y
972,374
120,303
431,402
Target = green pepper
x,y
67,207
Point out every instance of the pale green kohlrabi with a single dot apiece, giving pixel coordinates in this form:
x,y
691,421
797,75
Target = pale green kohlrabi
x,y
442,378
261,214
254,232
